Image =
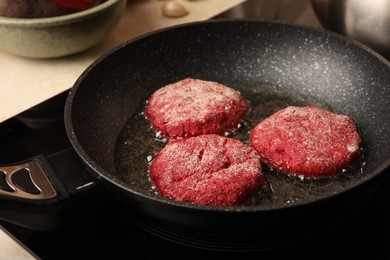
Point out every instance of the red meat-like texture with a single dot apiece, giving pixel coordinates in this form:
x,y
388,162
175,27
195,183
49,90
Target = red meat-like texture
x,y
192,107
309,141
208,170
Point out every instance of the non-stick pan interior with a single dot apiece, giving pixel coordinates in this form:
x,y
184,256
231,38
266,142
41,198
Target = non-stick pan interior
x,y
298,65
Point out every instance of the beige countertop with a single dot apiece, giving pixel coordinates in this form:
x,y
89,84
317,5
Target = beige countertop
x,y
10,248
27,82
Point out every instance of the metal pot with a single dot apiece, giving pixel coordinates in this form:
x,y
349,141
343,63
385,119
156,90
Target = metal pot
x,y
365,21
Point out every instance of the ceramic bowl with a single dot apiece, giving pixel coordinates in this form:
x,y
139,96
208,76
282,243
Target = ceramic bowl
x,y
60,36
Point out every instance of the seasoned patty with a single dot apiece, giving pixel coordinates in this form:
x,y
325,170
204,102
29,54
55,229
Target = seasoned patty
x,y
208,170
192,107
308,141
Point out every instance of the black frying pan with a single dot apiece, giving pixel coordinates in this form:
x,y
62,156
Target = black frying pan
x,y
274,65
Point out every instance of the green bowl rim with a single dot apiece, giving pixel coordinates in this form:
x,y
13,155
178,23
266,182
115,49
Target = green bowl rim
x,y
4,20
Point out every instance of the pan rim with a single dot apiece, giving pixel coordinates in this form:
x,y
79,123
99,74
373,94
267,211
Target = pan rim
x,y
102,174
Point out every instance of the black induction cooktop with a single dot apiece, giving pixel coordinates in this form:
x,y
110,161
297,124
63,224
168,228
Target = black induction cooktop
x,y
100,228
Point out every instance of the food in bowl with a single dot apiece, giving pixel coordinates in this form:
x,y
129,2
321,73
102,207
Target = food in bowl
x,y
76,4
43,8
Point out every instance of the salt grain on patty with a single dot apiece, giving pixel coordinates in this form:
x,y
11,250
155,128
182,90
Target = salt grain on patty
x,y
310,142
192,107
208,170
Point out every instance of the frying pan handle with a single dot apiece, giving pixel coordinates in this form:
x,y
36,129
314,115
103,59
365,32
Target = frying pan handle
x,y
34,192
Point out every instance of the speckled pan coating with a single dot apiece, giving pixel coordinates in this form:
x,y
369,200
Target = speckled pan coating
x,y
343,74
347,76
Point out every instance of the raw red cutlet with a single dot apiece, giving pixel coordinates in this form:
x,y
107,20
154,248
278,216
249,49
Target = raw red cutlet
x,y
208,170
310,142
192,107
